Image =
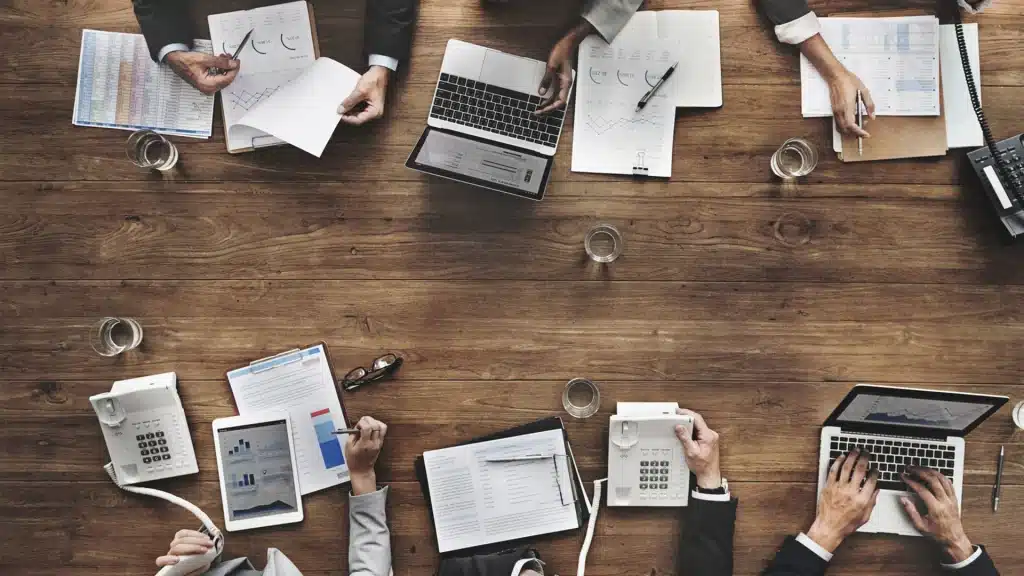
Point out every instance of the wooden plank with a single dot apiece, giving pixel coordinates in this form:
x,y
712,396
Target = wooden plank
x,y
422,232
51,431
68,528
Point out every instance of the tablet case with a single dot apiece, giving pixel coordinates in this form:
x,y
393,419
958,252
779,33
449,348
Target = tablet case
x,y
545,424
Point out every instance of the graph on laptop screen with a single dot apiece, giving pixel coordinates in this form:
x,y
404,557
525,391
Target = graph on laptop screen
x,y
897,411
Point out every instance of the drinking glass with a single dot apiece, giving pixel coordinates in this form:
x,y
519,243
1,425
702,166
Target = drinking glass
x,y
795,158
147,149
581,398
112,336
603,243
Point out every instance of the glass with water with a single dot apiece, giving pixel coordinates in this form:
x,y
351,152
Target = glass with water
x,y
795,158
112,336
147,149
603,243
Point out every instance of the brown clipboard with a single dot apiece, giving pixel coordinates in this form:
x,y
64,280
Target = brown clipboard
x,y
330,366
895,137
223,113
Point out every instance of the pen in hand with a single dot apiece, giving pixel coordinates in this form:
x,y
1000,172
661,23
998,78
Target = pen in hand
x,y
346,431
860,124
241,45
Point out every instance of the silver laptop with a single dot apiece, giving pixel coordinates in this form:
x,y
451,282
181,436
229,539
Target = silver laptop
x,y
482,128
902,427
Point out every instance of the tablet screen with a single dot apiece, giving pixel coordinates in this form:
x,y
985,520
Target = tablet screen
x,y
258,474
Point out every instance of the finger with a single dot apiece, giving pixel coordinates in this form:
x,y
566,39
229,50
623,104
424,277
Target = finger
x,y
948,486
837,465
223,62
545,82
913,514
565,82
214,83
870,507
383,430
860,468
201,540
847,472
933,480
185,533
689,445
871,484
865,95
351,101
922,492
188,550
361,118
557,104
166,561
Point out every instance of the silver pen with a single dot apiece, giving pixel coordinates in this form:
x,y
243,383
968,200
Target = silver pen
x,y
860,124
523,458
999,479
650,93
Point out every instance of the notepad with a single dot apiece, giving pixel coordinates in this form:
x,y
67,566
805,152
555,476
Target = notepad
x,y
476,501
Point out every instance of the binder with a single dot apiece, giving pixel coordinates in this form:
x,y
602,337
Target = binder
x,y
546,424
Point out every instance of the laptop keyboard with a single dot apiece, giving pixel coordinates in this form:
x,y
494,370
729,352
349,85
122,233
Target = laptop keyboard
x,y
495,109
891,455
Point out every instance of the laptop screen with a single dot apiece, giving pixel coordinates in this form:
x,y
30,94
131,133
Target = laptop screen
x,y
909,409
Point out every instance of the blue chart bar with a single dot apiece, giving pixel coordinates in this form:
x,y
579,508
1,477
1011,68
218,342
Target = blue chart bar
x,y
245,479
330,447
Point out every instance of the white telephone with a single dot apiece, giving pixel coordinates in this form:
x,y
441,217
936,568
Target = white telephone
x,y
147,437
144,426
646,465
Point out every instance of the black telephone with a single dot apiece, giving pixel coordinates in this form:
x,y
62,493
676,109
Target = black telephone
x,y
999,165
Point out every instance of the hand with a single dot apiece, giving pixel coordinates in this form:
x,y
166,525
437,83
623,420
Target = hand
x,y
186,543
701,452
845,503
941,521
557,80
361,451
201,70
842,90
371,90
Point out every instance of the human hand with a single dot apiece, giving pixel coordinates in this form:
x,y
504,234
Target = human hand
x,y
701,452
361,451
371,90
941,521
203,70
846,502
557,80
842,91
186,543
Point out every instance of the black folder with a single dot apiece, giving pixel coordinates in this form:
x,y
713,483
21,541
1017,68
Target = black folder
x,y
543,425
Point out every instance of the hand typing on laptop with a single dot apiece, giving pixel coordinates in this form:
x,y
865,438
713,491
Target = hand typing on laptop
x,y
846,502
941,518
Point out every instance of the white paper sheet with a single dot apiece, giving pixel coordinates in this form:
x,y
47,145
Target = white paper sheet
x,y
301,384
281,47
475,502
896,58
610,135
697,82
119,86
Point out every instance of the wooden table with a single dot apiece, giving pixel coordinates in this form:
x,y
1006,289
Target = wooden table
x,y
758,305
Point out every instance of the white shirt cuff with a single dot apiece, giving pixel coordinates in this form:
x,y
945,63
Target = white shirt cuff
x,y
965,563
711,497
385,61
170,48
814,547
799,30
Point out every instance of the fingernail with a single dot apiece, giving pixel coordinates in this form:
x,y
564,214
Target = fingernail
x,y
174,559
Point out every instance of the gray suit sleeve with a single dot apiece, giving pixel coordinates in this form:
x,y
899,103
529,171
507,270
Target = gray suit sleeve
x,y
369,548
608,17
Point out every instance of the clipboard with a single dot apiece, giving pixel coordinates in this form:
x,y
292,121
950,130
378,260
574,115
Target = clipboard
x,y
581,503
269,141
266,363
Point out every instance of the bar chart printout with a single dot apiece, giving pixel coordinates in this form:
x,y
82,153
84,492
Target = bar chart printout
x,y
330,446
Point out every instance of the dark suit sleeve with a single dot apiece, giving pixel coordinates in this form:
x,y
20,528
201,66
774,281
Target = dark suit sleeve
x,y
705,546
982,566
389,27
164,22
795,559
783,11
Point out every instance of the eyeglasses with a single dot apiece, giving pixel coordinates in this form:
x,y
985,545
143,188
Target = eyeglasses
x,y
381,367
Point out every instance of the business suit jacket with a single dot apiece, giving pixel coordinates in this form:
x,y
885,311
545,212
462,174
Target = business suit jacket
x,y
608,17
795,559
705,546
388,25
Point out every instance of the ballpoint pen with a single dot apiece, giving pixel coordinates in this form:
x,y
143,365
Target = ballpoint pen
x,y
999,479
650,93
238,51
346,431
860,124
521,458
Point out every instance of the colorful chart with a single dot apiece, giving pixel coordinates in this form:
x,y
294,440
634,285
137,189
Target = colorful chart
x,y
330,446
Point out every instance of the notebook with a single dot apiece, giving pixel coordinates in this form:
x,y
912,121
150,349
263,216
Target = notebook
x,y
517,484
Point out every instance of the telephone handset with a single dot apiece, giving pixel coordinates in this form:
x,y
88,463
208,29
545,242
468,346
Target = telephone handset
x,y
646,465
147,437
999,165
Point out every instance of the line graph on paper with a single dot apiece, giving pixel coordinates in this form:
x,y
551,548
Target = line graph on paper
x,y
600,125
245,99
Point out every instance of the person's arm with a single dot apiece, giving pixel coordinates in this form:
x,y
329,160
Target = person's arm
x,y
369,549
388,32
165,25
845,505
941,523
705,546
609,17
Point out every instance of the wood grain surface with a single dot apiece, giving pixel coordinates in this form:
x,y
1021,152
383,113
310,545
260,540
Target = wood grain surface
x,y
756,303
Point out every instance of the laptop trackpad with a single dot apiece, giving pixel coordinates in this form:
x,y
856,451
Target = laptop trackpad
x,y
512,72
888,517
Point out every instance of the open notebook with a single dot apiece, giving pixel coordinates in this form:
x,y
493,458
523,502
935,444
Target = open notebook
x,y
284,93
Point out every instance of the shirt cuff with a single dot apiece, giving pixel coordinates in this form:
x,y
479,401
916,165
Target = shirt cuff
x,y
965,563
170,48
385,61
711,497
814,547
799,30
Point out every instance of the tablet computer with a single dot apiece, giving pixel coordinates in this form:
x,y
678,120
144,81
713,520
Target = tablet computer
x,y
259,484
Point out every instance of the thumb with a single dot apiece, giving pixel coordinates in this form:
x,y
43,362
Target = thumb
x,y
689,445
224,62
545,82
915,516
350,101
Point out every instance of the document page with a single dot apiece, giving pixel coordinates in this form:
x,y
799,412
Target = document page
x,y
301,384
477,502
896,58
611,135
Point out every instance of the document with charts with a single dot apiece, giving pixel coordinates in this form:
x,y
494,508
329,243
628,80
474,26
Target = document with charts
x,y
283,93
610,135
896,58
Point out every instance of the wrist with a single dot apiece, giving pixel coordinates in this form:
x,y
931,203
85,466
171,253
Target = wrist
x,y
363,482
710,480
581,31
824,536
959,550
